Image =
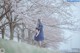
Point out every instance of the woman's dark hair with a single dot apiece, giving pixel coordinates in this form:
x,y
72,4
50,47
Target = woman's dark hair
x,y
37,29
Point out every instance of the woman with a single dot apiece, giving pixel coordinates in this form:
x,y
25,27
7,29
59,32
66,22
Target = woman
x,y
39,37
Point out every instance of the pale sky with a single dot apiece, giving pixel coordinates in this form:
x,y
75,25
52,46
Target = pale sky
x,y
75,35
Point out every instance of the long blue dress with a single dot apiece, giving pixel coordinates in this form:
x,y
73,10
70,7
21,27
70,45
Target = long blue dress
x,y
40,36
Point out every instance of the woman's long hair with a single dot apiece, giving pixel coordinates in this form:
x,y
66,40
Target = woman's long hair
x,y
39,23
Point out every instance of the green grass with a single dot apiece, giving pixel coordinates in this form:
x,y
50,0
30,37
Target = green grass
x,y
14,47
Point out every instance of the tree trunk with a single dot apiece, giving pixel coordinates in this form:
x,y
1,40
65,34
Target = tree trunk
x,y
3,32
11,32
18,37
22,36
29,36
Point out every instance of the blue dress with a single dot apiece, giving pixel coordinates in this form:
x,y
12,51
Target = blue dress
x,y
40,36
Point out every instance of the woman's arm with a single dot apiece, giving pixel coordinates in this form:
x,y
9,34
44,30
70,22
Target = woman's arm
x,y
37,32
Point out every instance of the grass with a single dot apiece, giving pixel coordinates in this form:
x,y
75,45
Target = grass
x,y
14,47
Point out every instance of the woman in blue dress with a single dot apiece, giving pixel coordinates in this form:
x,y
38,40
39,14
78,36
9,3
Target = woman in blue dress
x,y
39,37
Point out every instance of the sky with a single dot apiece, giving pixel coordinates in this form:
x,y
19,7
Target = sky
x,y
73,42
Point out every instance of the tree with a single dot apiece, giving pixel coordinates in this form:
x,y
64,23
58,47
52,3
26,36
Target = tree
x,y
10,16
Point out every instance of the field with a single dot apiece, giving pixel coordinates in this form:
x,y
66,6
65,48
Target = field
x,y
15,47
